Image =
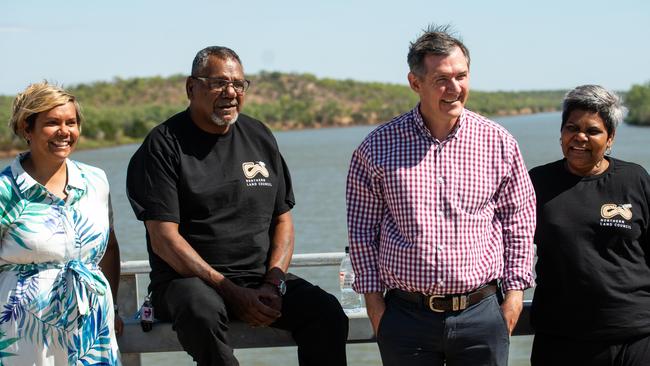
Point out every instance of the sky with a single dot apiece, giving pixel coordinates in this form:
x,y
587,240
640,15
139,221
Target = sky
x,y
514,44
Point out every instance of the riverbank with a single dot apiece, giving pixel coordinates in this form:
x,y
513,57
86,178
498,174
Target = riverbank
x,y
129,108
83,144
88,144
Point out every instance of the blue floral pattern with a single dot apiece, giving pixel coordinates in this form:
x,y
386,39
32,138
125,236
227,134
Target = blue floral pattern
x,y
55,303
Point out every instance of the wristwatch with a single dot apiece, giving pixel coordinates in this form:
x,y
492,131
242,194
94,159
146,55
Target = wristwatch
x,y
279,284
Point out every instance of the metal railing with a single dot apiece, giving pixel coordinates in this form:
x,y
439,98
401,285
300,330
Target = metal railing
x,y
162,338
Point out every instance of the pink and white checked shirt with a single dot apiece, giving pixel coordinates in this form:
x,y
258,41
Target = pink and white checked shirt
x,y
440,217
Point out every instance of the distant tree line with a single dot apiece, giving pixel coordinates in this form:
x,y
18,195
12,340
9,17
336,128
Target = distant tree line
x,y
638,102
124,110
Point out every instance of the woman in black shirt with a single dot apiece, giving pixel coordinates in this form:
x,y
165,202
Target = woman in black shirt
x,y
592,301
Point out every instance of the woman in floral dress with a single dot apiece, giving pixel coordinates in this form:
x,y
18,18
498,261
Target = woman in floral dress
x,y
59,259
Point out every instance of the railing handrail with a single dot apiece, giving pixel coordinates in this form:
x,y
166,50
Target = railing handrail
x,y
162,338
298,260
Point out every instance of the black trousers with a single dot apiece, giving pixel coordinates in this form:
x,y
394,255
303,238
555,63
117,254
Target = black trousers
x,y
560,351
200,318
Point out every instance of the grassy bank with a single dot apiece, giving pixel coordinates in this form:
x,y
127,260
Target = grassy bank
x,y
124,110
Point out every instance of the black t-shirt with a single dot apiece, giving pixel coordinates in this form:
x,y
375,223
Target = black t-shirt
x,y
222,190
592,236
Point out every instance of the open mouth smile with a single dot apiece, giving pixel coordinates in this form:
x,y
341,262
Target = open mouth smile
x,y
450,101
61,144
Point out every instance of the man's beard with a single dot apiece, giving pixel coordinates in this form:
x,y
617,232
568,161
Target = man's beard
x,y
221,122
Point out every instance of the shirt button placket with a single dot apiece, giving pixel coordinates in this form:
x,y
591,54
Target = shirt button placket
x,y
439,214
69,231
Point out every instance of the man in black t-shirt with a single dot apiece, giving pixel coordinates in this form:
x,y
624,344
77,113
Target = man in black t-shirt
x,y
215,196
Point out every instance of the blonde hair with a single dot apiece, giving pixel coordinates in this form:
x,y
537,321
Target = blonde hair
x,y
37,98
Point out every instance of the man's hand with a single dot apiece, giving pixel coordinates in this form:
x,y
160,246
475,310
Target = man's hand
x,y
511,308
250,305
270,296
375,307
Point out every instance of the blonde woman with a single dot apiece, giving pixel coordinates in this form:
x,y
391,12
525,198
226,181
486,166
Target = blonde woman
x,y
59,258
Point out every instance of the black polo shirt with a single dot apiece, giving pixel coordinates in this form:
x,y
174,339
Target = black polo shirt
x,y
222,190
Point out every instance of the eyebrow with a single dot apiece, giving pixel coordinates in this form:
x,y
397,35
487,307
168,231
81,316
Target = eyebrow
x,y
462,73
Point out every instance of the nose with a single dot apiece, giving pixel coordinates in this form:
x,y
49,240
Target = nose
x,y
453,86
581,136
64,130
229,91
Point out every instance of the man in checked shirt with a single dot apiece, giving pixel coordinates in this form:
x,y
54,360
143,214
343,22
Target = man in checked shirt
x,y
440,208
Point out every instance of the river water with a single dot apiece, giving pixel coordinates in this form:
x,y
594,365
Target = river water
x,y
318,161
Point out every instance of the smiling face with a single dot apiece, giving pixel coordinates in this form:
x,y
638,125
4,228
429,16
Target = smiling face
x,y
444,89
54,134
214,110
584,141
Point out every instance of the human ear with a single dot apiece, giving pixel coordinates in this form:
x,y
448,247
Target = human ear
x,y
189,88
414,82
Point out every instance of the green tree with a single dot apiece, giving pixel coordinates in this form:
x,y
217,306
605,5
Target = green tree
x,y
123,110
638,103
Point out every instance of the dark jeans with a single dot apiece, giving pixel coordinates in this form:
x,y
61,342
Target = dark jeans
x,y
559,351
412,335
200,318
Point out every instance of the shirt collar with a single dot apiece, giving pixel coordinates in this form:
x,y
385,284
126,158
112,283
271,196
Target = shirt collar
x,y
76,178
25,182
455,133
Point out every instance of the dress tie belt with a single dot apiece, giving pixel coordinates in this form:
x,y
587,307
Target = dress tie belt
x,y
84,281
74,288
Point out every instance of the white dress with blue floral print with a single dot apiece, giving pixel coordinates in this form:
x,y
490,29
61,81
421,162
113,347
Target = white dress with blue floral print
x,y
56,306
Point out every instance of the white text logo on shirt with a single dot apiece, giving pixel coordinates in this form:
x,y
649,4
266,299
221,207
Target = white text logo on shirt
x,y
609,211
252,170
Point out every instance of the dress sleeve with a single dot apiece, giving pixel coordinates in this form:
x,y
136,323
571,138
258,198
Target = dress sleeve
x,y
9,204
152,181
515,210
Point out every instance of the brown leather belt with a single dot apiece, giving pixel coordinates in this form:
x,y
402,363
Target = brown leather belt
x,y
442,303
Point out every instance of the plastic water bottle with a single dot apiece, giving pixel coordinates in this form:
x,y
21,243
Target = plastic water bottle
x,y
350,300
146,314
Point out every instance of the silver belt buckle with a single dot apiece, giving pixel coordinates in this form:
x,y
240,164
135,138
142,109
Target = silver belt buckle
x,y
433,308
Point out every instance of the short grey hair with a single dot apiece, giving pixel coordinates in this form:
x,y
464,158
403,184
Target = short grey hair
x,y
201,58
595,99
435,40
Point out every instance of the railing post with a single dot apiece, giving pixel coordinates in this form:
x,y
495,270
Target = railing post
x,y
130,359
128,296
